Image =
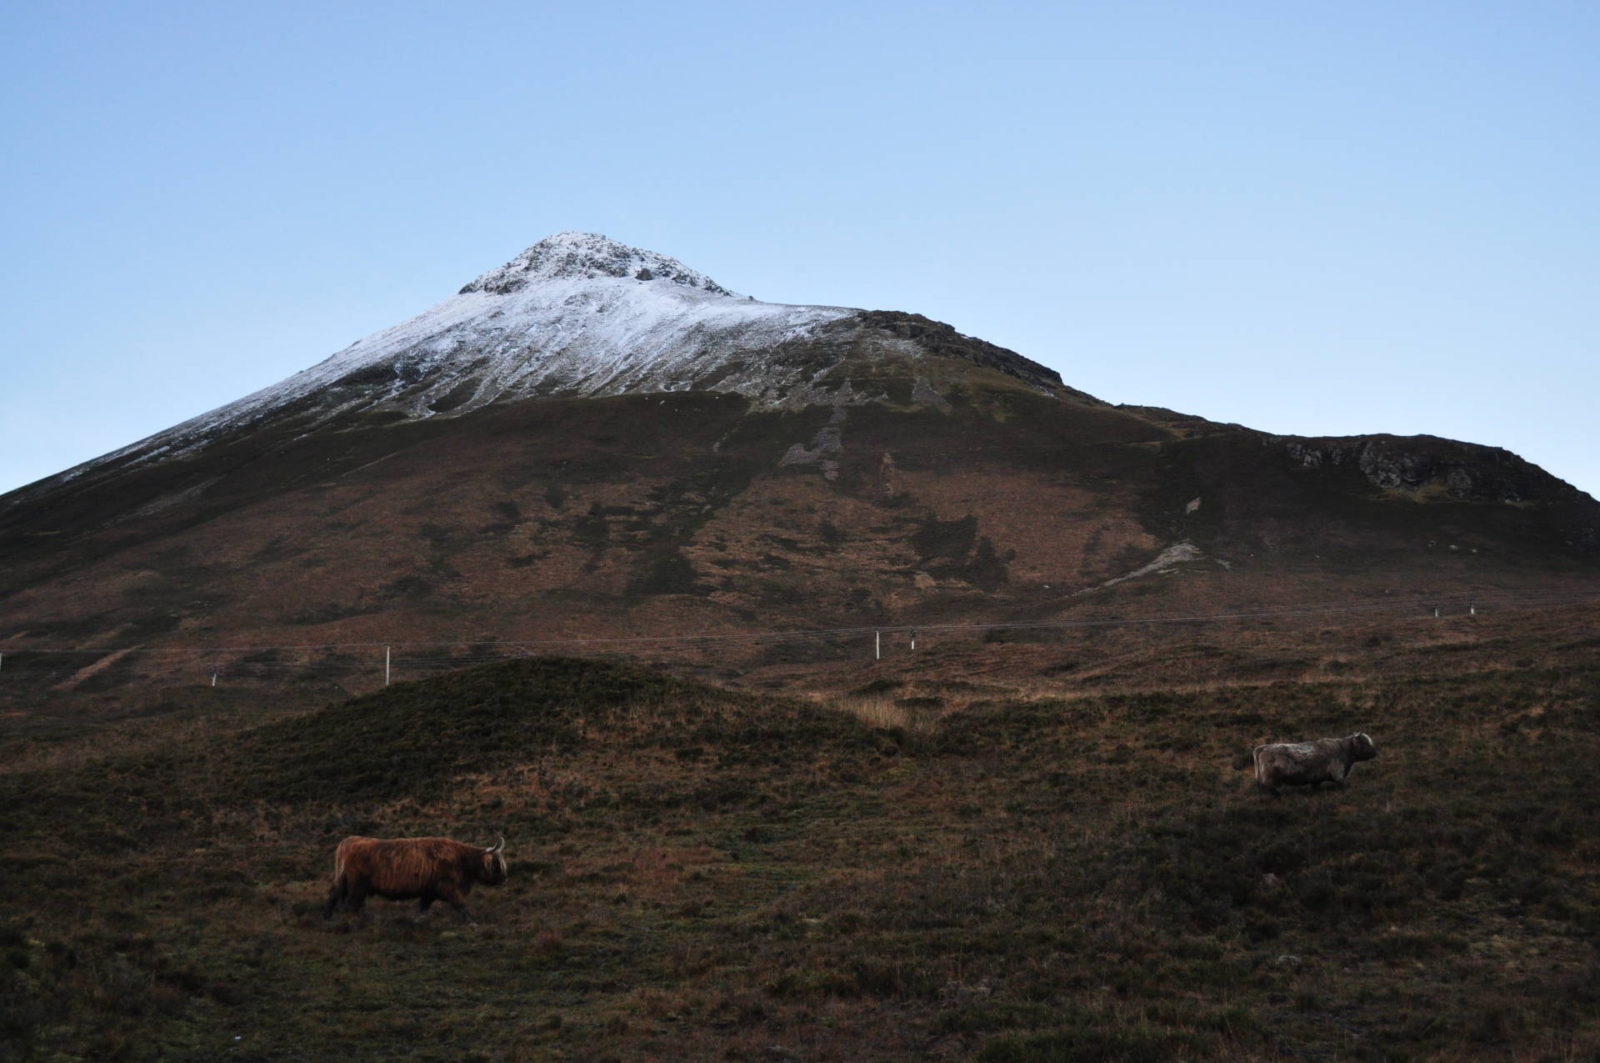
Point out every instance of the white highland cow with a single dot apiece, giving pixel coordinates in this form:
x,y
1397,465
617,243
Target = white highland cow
x,y
1310,763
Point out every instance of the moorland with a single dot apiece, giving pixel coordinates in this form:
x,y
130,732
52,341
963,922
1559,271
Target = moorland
x,y
1036,846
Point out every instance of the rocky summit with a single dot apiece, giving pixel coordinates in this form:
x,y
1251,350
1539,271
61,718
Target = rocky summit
x,y
596,441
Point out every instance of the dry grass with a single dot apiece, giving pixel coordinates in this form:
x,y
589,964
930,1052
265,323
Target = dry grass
x,y
890,714
867,875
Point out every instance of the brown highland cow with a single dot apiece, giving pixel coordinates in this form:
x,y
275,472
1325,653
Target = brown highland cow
x,y
402,869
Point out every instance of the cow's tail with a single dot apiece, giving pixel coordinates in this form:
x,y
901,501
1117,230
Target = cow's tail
x,y
340,890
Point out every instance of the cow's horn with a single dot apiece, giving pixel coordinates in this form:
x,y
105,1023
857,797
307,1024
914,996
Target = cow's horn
x,y
497,846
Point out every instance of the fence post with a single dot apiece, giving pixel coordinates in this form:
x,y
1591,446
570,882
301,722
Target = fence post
x,y
386,666
877,645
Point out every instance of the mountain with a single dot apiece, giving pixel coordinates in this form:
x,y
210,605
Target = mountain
x,y
598,441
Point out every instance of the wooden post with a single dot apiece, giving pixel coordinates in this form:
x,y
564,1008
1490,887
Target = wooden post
x,y
877,645
386,666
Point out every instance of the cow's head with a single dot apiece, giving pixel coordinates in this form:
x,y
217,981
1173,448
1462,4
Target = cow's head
x,y
1361,746
492,869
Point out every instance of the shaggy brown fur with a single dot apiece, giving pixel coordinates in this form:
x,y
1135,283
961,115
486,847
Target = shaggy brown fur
x,y
1310,763
432,869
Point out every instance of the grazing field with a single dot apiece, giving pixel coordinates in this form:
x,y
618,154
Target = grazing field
x,y
1030,867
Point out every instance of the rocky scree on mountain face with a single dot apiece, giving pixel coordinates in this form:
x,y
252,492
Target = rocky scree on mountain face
x,y
574,255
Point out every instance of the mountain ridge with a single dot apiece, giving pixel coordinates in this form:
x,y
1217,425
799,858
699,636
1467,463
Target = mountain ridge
x,y
576,314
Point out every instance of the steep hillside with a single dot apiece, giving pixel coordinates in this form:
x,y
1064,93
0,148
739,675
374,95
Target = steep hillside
x,y
597,441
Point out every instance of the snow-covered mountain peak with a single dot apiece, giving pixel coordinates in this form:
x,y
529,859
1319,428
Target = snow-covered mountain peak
x,y
576,314
587,256
581,315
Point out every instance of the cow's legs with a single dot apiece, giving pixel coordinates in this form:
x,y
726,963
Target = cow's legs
x,y
456,899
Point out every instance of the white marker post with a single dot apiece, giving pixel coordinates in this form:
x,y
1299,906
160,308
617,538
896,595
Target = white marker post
x,y
877,645
386,666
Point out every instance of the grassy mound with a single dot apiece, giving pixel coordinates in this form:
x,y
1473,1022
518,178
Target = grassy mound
x,y
413,740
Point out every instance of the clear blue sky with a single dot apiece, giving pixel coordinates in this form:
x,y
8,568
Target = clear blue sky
x,y
1314,218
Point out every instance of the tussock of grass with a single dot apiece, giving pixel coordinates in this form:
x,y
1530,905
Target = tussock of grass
x,y
902,718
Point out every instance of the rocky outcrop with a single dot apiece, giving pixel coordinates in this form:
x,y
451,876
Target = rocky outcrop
x,y
942,341
587,256
1462,471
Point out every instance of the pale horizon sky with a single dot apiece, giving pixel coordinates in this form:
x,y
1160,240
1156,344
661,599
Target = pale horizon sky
x,y
1313,219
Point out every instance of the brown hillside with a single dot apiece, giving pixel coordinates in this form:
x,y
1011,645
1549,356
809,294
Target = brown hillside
x,y
921,492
